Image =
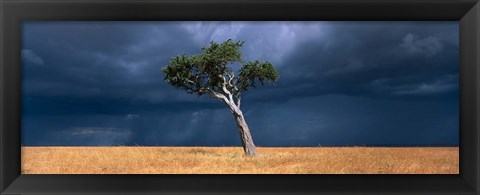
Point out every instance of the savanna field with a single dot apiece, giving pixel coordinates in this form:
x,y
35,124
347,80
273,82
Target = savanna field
x,y
231,160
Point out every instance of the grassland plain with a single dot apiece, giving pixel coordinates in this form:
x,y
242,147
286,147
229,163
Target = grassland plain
x,y
230,160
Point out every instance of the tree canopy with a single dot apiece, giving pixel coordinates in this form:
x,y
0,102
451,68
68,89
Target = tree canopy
x,y
211,72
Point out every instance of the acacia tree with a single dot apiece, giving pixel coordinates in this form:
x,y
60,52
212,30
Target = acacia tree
x,y
211,73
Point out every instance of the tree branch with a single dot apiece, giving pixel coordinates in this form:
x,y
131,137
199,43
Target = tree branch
x,y
238,100
224,87
217,95
231,76
190,81
235,92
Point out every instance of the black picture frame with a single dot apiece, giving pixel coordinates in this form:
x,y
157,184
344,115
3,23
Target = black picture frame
x,y
13,12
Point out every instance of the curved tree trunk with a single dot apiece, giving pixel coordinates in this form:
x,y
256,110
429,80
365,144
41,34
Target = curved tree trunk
x,y
247,141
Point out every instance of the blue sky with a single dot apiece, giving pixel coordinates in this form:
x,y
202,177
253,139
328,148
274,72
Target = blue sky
x,y
341,83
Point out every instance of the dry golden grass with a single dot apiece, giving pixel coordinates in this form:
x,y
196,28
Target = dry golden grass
x,y
227,160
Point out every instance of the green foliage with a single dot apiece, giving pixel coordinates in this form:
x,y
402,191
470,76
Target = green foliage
x,y
253,72
209,71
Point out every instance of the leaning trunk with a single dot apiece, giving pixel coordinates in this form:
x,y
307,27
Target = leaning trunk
x,y
247,141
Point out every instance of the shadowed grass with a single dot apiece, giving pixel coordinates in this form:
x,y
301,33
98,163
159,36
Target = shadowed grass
x,y
226,160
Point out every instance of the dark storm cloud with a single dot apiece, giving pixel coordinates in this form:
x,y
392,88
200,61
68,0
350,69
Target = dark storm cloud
x,y
102,60
341,83
374,59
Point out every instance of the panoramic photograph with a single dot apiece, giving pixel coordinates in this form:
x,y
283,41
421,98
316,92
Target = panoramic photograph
x,y
240,97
